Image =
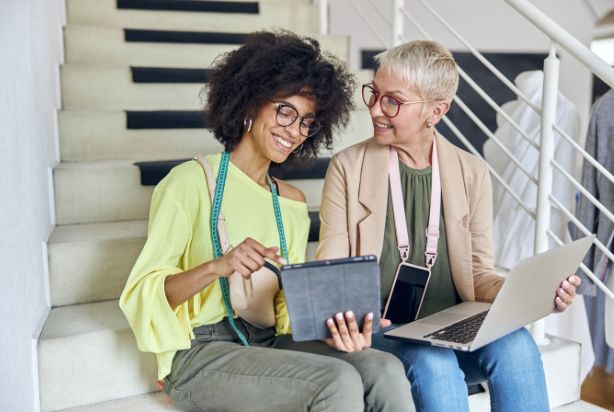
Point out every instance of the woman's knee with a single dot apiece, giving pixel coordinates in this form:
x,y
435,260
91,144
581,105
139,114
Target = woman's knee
x,y
432,364
342,388
515,347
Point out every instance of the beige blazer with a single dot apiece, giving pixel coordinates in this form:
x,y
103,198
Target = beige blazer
x,y
354,204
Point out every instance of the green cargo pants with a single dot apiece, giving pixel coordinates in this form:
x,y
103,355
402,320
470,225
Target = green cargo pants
x,y
276,374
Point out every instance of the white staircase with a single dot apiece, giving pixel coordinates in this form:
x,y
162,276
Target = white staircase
x,y
88,360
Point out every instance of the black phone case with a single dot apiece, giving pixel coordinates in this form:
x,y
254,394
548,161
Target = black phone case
x,y
407,293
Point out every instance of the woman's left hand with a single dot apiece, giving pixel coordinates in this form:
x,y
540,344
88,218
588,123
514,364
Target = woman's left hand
x,y
566,293
346,337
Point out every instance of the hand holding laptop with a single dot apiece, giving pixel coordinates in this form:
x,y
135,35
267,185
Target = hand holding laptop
x,y
566,293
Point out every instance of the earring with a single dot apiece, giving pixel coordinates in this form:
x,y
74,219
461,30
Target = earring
x,y
429,124
298,149
247,124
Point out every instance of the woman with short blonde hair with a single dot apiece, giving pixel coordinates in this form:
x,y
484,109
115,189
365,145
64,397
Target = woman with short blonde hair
x,y
410,93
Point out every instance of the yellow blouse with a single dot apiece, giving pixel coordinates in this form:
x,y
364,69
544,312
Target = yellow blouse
x,y
179,239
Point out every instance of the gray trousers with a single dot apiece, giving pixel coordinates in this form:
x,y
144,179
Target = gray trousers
x,y
277,374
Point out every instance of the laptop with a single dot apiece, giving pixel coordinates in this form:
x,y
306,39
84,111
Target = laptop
x,y
315,291
526,295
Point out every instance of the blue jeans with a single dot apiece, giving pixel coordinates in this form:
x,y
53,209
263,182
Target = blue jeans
x,y
512,365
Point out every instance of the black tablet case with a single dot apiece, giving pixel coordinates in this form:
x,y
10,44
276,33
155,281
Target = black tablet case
x,y
316,291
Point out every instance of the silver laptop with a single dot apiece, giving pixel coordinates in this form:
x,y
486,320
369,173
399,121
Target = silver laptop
x,y
526,296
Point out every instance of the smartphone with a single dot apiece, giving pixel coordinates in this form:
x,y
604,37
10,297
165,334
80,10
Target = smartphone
x,y
407,293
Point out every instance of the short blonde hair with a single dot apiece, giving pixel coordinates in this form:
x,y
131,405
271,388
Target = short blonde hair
x,y
425,64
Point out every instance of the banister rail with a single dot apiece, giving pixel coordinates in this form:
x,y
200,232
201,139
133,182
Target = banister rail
x,y
564,39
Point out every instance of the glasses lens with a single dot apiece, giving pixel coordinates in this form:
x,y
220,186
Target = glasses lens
x,y
368,95
310,126
286,115
390,106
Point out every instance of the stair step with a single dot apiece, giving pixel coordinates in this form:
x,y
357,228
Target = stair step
x,y
579,406
109,191
250,7
159,402
151,402
76,338
300,16
102,135
91,262
87,87
107,46
87,354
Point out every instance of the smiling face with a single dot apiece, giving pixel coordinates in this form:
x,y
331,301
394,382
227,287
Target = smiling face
x,y
275,142
410,122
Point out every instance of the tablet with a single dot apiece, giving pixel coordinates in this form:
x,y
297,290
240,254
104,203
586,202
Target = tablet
x,y
315,291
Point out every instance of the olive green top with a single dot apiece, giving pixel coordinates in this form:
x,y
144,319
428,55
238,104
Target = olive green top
x,y
441,292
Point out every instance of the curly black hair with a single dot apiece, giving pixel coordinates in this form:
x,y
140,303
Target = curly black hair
x,y
276,65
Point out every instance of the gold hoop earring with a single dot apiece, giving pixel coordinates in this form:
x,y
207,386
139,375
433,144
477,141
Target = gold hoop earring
x,y
247,124
429,124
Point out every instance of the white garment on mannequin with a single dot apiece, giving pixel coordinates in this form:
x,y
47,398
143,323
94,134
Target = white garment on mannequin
x,y
513,228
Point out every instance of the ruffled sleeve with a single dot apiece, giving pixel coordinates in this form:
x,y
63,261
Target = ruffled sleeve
x,y
157,327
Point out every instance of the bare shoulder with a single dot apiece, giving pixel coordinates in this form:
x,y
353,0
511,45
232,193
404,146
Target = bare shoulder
x,y
291,192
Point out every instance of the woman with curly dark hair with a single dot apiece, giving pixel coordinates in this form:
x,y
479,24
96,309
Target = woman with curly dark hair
x,y
276,97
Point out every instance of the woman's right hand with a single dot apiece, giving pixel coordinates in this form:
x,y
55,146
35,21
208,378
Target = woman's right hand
x,y
345,334
246,258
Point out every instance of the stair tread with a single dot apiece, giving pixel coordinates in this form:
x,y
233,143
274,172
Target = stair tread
x,y
106,46
300,15
84,318
151,402
579,406
99,231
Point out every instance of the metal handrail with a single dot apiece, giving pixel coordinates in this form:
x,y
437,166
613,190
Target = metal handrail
x,y
493,172
585,155
589,273
581,226
481,58
367,21
583,190
494,138
564,39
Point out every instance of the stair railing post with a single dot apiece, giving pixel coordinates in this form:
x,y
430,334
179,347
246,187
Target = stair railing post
x,y
397,22
323,16
546,154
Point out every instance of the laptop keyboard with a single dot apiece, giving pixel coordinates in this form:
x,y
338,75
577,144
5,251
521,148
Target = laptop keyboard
x,y
462,331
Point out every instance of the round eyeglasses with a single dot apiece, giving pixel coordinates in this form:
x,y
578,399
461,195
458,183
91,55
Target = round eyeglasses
x,y
390,105
286,115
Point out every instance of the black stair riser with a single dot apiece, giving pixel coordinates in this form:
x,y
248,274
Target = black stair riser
x,y
314,229
191,5
185,37
297,169
166,119
153,172
168,75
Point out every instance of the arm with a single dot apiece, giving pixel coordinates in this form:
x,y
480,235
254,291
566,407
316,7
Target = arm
x,y
334,235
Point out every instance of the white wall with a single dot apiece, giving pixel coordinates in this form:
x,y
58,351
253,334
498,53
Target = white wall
x,y
491,26
30,51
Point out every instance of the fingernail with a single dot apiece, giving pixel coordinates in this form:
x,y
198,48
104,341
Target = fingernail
x,y
349,314
283,261
339,316
370,316
330,321
565,284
